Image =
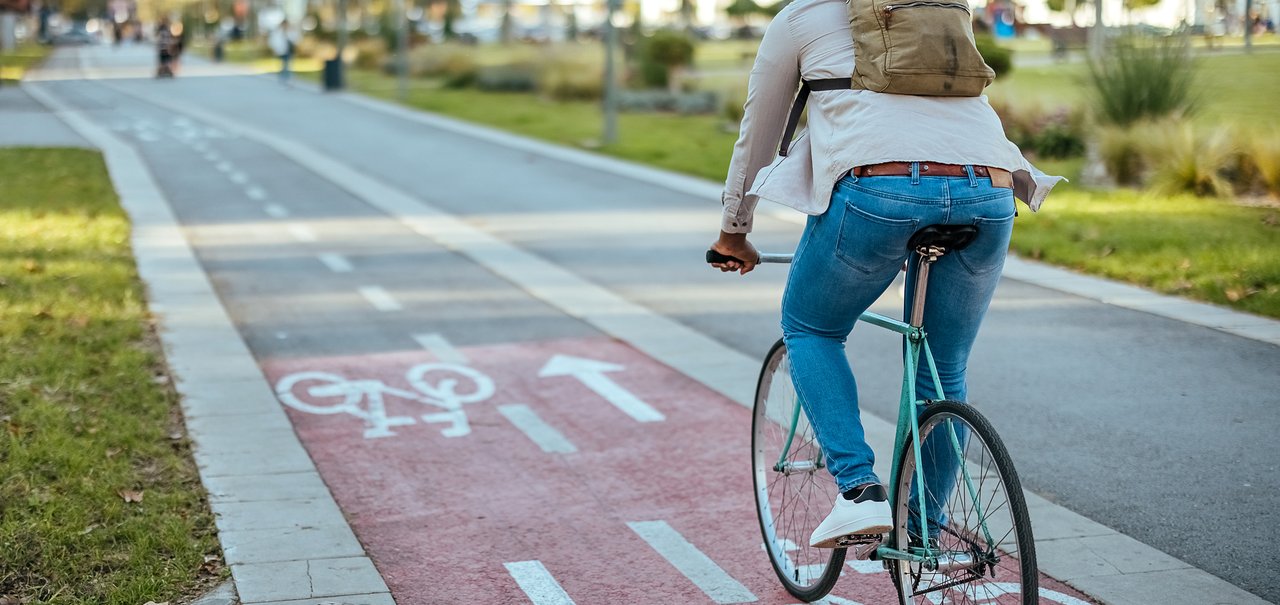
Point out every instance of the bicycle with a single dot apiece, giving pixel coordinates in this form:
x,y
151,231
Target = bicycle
x,y
988,555
345,397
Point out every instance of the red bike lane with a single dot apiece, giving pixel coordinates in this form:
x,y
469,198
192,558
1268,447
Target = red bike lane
x,y
588,474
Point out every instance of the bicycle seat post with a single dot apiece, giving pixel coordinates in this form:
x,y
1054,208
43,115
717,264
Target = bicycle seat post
x,y
927,256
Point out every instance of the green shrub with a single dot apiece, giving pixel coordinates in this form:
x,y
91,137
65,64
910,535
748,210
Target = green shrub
x,y
1045,134
1142,78
371,53
660,54
1193,161
454,65
999,58
1265,154
1122,152
572,85
514,77
569,80
734,109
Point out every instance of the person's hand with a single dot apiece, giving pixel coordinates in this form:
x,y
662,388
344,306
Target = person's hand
x,y
737,246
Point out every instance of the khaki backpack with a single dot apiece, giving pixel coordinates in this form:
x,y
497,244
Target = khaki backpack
x,y
916,47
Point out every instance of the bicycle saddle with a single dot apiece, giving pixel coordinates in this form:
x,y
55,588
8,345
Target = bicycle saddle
x,y
947,237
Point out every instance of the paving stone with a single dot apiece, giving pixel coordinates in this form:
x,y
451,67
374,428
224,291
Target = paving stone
x,y
259,488
1069,559
228,397
277,514
298,580
270,458
291,544
1131,556
1172,587
379,598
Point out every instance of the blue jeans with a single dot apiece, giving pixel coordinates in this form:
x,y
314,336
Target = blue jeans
x,y
846,258
284,67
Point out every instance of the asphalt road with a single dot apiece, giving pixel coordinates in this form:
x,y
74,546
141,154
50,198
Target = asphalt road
x,y
1158,429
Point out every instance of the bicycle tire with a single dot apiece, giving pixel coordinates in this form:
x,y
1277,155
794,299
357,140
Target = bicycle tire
x,y
996,574
812,572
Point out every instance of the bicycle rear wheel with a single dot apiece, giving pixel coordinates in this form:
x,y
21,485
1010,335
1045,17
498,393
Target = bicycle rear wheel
x,y
977,516
792,498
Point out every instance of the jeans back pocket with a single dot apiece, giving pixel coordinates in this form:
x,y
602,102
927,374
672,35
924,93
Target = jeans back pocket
x,y
987,252
871,243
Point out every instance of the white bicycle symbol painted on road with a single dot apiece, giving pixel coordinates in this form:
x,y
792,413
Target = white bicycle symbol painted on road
x,y
435,384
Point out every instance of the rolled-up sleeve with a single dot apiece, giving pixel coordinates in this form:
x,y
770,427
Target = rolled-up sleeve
x,y
775,77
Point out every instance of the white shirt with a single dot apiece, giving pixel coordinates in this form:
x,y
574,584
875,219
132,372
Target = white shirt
x,y
279,38
810,39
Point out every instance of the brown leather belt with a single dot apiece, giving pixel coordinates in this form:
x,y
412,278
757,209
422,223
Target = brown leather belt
x,y
999,176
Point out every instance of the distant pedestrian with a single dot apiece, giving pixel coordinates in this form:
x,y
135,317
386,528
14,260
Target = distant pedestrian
x,y
168,47
283,41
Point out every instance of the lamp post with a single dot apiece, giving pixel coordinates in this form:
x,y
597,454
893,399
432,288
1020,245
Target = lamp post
x,y
610,134
1096,34
402,52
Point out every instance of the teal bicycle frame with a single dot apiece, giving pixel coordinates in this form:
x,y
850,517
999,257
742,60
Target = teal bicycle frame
x,y
908,428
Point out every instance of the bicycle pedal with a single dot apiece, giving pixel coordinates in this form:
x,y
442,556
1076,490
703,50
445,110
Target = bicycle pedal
x,y
857,540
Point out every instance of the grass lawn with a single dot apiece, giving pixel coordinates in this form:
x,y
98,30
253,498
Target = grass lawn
x,y
100,502
13,65
1200,248
1231,88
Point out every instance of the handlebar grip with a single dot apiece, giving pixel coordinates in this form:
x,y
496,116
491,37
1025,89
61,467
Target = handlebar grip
x,y
716,257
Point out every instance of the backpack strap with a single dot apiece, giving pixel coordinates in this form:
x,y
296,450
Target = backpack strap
x,y
802,98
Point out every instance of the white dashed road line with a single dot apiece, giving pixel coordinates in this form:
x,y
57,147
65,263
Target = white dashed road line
x,y
536,429
380,298
275,210
335,262
256,194
538,584
441,348
691,562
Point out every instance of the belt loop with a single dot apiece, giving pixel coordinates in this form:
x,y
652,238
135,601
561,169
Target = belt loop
x,y
973,180
853,175
915,173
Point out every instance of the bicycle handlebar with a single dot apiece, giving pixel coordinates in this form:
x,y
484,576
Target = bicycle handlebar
x,y
716,257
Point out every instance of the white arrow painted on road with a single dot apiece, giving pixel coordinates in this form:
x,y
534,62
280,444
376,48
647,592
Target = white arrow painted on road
x,y
591,374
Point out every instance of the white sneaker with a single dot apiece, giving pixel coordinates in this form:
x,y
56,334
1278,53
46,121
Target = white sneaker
x,y
855,521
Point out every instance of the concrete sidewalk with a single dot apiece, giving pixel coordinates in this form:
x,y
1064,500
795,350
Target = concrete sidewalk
x,y
274,558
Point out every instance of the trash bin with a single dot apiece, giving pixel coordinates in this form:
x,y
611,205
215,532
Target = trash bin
x,y
333,74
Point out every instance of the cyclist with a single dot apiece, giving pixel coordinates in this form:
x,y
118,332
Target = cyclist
x,y
872,169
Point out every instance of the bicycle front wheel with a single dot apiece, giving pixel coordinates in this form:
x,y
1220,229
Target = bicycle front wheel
x,y
793,488
975,519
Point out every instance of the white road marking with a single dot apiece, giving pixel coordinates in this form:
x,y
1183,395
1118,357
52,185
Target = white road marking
x,y
380,298
866,566
274,210
538,584
212,156
691,562
256,194
335,262
302,232
225,167
238,178
536,429
441,348
591,374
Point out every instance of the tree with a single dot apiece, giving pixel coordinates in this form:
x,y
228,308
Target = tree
x,y
1071,7
741,9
